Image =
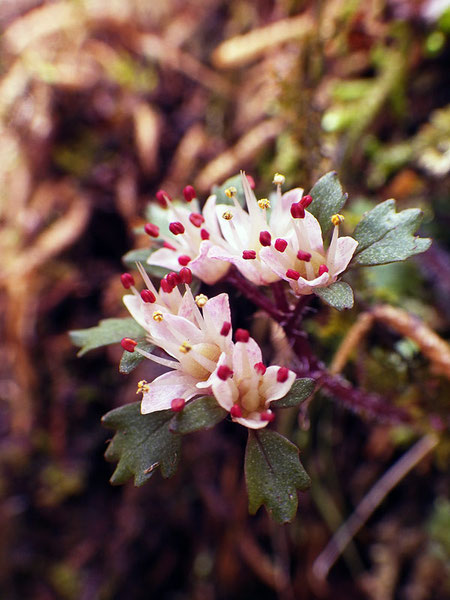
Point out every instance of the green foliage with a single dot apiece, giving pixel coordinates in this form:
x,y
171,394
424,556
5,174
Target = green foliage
x,y
130,360
339,295
222,198
108,331
273,473
201,413
140,255
300,390
328,199
386,236
141,444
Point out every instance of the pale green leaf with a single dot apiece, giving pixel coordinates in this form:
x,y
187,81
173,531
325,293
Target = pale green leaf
x,y
385,236
201,413
328,200
273,473
300,390
339,295
108,331
130,360
141,444
222,198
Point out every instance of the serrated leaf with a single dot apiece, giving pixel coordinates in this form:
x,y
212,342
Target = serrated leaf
x,y
108,331
385,236
273,473
338,295
222,198
328,200
141,444
300,390
202,413
130,360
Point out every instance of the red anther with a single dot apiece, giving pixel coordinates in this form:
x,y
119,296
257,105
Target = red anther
x,y
225,328
280,245
128,344
282,374
173,278
186,275
196,219
224,372
162,198
242,335
166,286
184,260
152,230
189,193
249,254
268,416
236,411
323,269
177,404
297,211
251,181
169,246
204,234
292,274
260,368
176,227
148,296
306,200
305,256
127,280
265,238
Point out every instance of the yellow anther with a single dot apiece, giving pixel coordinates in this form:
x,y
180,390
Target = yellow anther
x,y
278,179
142,386
201,300
230,192
264,203
185,347
158,316
337,219
227,215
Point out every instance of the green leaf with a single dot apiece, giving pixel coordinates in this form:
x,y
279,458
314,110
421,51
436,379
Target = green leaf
x,y
339,295
140,255
202,413
273,473
328,200
300,390
130,360
108,331
386,236
222,198
141,444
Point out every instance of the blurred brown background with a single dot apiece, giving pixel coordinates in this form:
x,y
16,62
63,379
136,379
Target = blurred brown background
x,y
103,102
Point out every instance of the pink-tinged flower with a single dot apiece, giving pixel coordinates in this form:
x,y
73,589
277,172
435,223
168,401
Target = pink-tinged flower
x,y
142,305
194,342
303,262
193,233
246,232
242,384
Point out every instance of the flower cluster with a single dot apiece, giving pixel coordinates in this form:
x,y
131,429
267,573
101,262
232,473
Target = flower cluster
x,y
265,243
271,240
196,334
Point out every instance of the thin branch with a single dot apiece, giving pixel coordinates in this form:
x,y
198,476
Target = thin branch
x,y
369,503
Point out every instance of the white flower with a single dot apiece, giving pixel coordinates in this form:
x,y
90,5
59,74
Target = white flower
x,y
192,235
245,387
246,233
302,261
195,340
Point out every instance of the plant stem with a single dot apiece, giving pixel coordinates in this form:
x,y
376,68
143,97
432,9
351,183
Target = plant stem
x,y
253,293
